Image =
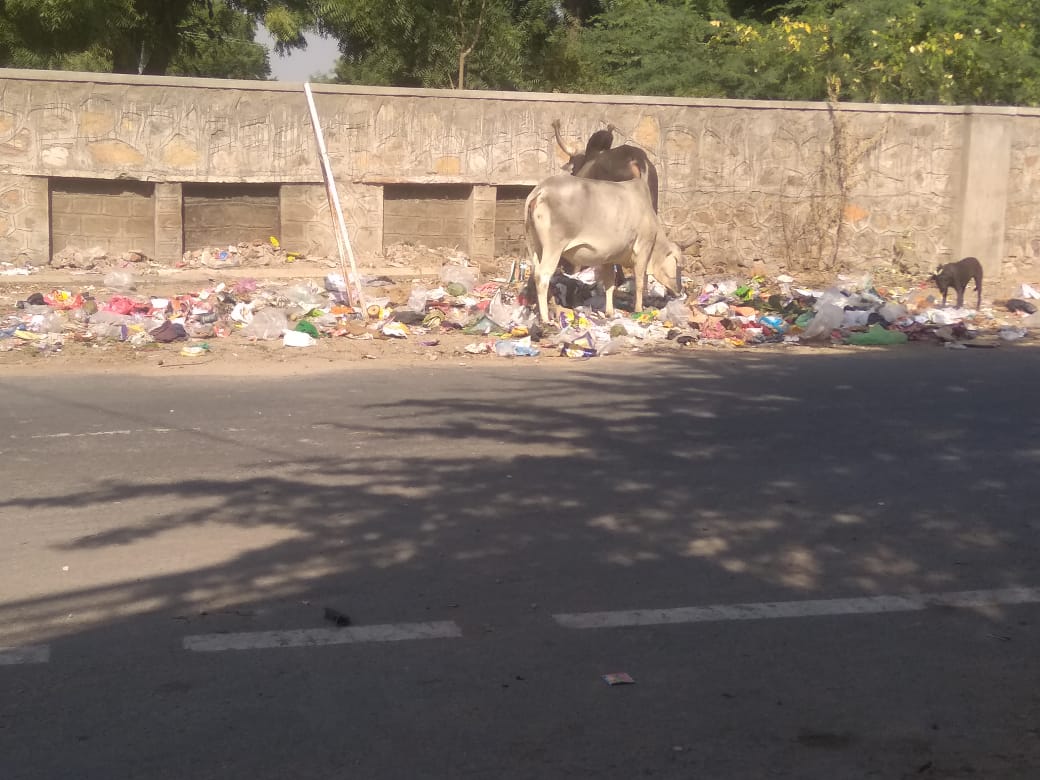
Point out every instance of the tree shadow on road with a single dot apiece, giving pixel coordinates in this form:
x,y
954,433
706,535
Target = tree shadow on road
x,y
664,482
770,476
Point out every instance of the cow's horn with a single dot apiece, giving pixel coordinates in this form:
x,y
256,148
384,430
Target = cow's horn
x,y
559,140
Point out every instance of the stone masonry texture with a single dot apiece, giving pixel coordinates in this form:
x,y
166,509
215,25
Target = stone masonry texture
x,y
795,185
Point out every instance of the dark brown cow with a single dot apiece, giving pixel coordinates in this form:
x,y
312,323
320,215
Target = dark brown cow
x,y
601,161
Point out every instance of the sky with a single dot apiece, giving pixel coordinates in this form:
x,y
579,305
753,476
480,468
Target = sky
x,y
318,58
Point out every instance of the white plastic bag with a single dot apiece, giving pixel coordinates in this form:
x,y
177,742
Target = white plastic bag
x,y
267,324
417,299
676,312
295,338
892,312
306,296
465,275
120,280
504,314
830,311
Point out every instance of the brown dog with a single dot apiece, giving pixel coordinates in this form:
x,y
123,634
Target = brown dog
x,y
957,275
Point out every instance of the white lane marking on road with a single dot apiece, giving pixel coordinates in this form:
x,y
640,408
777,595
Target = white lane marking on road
x,y
28,654
316,637
69,435
132,431
869,605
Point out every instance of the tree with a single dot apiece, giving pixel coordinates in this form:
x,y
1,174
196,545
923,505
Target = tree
x,y
220,42
502,44
650,47
468,32
142,36
928,51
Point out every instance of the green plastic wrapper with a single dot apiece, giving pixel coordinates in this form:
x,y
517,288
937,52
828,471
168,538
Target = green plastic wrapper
x,y
877,336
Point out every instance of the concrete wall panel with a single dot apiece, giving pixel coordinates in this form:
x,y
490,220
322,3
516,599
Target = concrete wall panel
x,y
114,215
795,185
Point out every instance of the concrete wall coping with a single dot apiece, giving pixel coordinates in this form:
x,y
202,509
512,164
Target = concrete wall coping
x,y
467,94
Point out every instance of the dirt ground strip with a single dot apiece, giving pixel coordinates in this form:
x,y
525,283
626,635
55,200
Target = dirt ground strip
x,y
394,277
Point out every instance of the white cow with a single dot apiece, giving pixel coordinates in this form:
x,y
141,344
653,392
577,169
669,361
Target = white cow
x,y
598,223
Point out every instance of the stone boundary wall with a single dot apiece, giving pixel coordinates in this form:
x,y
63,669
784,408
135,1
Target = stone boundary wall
x,y
791,185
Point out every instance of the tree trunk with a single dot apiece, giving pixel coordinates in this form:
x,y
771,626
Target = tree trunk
x,y
150,47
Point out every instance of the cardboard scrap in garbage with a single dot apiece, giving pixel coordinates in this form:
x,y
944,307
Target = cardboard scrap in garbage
x,y
618,678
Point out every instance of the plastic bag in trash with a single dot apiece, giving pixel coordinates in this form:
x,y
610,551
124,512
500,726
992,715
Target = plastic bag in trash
x,y
267,324
943,316
51,322
335,283
829,313
108,330
307,296
464,275
242,312
110,318
521,347
120,280
876,335
417,299
855,318
505,314
615,346
676,312
1012,334
581,347
892,312
296,338
199,330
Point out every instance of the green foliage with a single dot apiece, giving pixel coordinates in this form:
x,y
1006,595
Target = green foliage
x,y
220,44
652,48
929,51
418,42
200,37
897,51
922,51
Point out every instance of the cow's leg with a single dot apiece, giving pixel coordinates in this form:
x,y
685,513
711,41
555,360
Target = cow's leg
x,y
640,276
606,276
542,270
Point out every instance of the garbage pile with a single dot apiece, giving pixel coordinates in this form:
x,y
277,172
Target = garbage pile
x,y
298,314
74,258
758,311
494,317
246,253
852,311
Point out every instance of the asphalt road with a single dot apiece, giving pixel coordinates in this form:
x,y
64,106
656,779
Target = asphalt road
x,y
818,566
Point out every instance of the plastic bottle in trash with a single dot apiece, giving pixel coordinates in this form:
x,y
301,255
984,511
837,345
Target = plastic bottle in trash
x,y
108,330
516,348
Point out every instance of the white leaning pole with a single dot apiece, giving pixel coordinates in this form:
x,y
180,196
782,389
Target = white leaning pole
x,y
342,236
